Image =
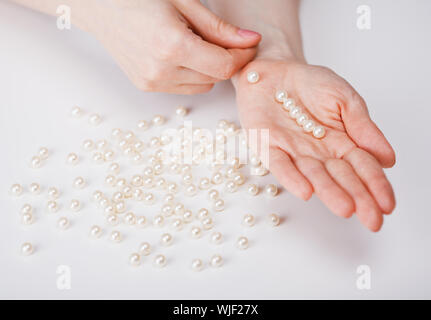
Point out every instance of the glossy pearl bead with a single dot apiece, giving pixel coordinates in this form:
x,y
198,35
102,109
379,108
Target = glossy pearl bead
x,y
116,133
295,112
63,223
254,160
166,239
145,249
319,132
219,205
242,243
72,159
53,193
35,162
79,183
191,190
207,223
52,206
16,190
35,188
75,205
97,195
88,145
216,238
203,213
160,261
141,221
76,112
301,119
217,178
288,104
308,125
252,76
112,219
213,195
158,120
181,111
95,232
26,208
27,219
204,184
216,261
130,218
158,221
248,220
238,179
273,219
143,125
280,96
177,224
271,190
196,232
252,189
43,153
187,216
116,236
135,259
95,119
120,206
197,265
231,186
27,249
167,210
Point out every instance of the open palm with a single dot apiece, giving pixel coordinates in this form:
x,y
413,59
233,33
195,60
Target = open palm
x,y
344,168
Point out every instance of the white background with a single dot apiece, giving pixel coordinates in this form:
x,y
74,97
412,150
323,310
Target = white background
x,y
313,254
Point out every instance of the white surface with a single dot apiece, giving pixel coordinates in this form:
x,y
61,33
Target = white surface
x,y
312,255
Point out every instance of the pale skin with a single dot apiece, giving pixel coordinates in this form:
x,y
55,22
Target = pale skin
x,y
179,46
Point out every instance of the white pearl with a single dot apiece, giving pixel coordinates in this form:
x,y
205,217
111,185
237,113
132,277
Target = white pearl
x,y
231,186
35,188
168,198
160,261
75,205
88,145
43,153
197,265
238,178
149,199
252,76
130,218
222,124
301,119
181,111
63,223
216,261
97,195
27,218
158,220
213,194
95,119
16,190
112,219
102,144
158,120
98,158
319,132
217,178
52,206
143,125
26,208
204,183
167,210
271,190
220,138
160,183
145,249
280,96
308,125
230,172
191,190
165,139
141,221
95,231
248,220
116,133
219,205
27,249
177,224
172,187
79,183
179,209
129,135
216,238
35,162
135,259
128,192
242,243
148,182
103,202
288,104
187,178
120,206
53,193
207,223
76,112
139,146
196,232
295,112
166,239
259,171
188,216
203,213
252,189
254,160
273,219
109,155
116,236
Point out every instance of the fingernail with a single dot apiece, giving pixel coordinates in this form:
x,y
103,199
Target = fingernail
x,y
248,33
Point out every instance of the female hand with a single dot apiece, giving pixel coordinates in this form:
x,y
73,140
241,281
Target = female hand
x,y
344,168
174,46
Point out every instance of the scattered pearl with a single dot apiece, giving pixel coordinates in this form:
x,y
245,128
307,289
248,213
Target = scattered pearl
x,y
217,178
242,243
167,210
254,160
141,221
158,120
26,208
191,190
88,145
222,124
35,162
112,219
197,265
109,155
72,159
203,213
158,220
179,209
149,199
98,158
135,259
172,187
160,261
187,216
97,195
63,223
16,190
238,178
177,224
145,248
213,194
79,183
280,96
204,183
27,218
219,205
116,133
196,232
271,190
252,77
216,238
75,205
120,206
187,178
95,231
95,119
27,249
76,112
231,186
252,189
259,171
166,239
274,219
248,220
110,180
143,125
216,261
52,206
43,153
53,193
181,111
207,223
130,218
319,132
116,236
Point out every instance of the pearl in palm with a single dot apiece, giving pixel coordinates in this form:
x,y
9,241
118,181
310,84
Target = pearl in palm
x,y
280,96
252,76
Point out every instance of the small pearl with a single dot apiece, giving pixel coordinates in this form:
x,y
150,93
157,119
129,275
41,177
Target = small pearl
x,y
259,171
76,112
187,178
63,223
53,193
231,186
213,194
72,159
158,220
52,206
145,248
112,219
203,213
217,178
116,236
168,198
177,224
116,133
271,190
26,208
16,190
127,191
207,223
219,205
130,218
158,120
216,238
149,199
109,155
110,180
139,146
35,188
88,145
98,158
238,178
166,239
254,160
172,187
308,125
143,125
248,220
181,111
103,202
222,124
196,232
154,142
242,243
95,119
141,221
75,205
197,265
95,231
27,249
167,210
43,153
280,96
252,189
27,218
220,138
288,104
216,261
187,216
79,183
252,76
160,261
230,172
97,195
129,135
120,206
273,219
35,162
135,259
295,112
318,132
179,209
204,184
191,190
158,168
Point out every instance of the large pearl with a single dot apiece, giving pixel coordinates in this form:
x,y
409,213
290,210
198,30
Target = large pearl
x,y
27,249
197,265
308,125
160,261
16,190
63,223
318,132
242,243
145,248
248,220
216,261
252,76
135,259
271,190
273,219
288,104
166,239
280,96
116,236
95,232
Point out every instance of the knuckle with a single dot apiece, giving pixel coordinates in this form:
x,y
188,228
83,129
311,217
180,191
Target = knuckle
x,y
228,69
169,47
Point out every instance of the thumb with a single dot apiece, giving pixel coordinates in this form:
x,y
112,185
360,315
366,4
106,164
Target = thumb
x,y
214,29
